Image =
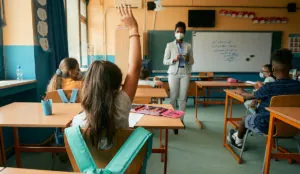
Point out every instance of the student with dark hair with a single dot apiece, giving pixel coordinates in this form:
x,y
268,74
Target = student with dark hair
x,y
266,74
144,80
179,57
259,122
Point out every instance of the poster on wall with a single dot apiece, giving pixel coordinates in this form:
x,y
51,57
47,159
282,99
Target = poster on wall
x,y
41,22
294,44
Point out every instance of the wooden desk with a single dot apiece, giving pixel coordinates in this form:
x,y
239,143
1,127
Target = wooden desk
x,y
159,93
151,92
205,85
288,115
192,85
10,170
217,77
230,96
31,115
156,122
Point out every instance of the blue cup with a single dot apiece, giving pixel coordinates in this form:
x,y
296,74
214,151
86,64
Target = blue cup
x,y
47,107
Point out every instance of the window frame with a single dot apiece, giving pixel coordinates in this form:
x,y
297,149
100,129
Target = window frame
x,y
82,19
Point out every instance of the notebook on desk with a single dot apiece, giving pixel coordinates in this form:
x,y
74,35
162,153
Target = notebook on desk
x,y
156,111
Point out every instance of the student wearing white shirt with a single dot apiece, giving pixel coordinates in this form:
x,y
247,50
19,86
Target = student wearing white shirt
x,y
179,57
266,73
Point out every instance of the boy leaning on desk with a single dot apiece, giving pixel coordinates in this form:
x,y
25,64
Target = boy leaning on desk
x,y
266,74
259,122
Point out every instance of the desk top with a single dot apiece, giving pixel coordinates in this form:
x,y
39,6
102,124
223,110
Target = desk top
x,y
232,93
221,84
200,77
287,113
31,115
12,83
10,170
148,121
151,92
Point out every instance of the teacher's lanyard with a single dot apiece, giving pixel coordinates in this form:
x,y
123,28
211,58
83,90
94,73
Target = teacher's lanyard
x,y
180,50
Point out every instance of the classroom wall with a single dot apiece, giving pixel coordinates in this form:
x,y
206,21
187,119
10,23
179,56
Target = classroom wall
x,y
19,48
166,19
18,39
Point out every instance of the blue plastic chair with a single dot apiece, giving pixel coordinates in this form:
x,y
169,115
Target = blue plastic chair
x,y
59,96
83,161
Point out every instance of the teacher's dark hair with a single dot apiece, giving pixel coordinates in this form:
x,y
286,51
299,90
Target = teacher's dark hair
x,y
180,25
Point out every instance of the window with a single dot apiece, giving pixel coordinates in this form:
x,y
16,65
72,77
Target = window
x,y
77,30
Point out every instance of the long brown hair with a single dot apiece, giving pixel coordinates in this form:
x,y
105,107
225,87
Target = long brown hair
x,y
68,68
101,86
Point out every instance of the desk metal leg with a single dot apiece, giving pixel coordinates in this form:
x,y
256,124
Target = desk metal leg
x,y
163,149
230,107
269,145
3,155
226,120
166,152
196,114
205,99
208,96
161,145
17,146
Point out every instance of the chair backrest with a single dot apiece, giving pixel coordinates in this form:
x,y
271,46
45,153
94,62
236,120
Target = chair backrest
x,y
142,100
283,129
209,74
103,158
57,99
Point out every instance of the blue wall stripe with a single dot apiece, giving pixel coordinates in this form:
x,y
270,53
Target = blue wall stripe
x,y
22,55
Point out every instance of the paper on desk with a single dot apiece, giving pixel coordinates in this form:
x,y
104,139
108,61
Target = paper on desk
x,y
250,82
134,118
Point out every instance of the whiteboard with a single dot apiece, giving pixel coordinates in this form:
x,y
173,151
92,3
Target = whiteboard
x,y
231,51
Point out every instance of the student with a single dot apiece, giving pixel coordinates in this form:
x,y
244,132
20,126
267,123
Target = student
x,y
179,57
259,122
67,77
106,107
266,73
144,80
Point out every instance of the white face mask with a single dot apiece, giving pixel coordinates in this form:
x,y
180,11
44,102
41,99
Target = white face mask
x,y
179,36
261,75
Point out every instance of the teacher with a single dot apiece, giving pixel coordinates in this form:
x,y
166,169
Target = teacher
x,y
179,57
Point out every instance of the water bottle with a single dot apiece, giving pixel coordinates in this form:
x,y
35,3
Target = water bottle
x,y
19,73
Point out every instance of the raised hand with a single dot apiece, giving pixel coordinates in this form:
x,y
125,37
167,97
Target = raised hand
x,y
128,18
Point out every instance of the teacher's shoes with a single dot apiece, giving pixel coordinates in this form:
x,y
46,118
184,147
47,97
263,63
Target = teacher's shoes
x,y
234,140
175,131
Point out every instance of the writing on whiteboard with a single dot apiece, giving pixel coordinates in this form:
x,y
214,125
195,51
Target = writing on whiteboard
x,y
226,49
